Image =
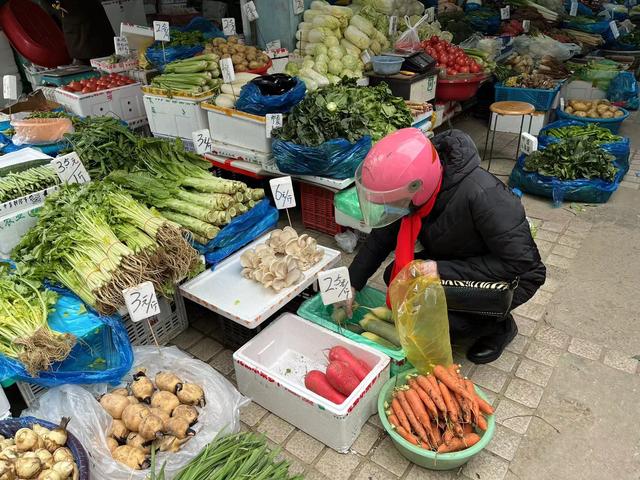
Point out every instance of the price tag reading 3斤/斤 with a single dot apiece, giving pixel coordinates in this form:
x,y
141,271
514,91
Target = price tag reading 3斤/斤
x,y
282,190
141,301
229,26
202,141
161,31
70,169
273,120
335,285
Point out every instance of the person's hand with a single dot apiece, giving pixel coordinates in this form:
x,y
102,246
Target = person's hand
x,y
428,268
349,303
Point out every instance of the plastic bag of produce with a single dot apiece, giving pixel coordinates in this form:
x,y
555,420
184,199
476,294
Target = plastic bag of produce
x,y
201,24
420,313
159,57
337,158
102,353
540,46
251,99
90,422
409,41
623,91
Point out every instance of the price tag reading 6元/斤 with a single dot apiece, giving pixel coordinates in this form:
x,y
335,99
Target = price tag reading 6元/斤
x,y
282,190
335,285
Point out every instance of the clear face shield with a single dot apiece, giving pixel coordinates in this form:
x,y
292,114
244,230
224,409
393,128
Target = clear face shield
x,y
382,208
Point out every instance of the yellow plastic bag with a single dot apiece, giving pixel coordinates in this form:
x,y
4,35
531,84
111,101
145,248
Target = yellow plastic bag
x,y
420,313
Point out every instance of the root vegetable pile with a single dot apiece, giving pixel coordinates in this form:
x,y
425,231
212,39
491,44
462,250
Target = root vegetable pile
x,y
440,412
148,414
593,109
244,57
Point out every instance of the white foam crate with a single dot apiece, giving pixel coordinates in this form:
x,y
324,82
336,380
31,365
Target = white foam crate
x,y
348,221
123,102
174,117
270,370
239,129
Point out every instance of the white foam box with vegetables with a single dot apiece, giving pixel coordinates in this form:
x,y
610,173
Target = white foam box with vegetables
x,y
280,367
174,117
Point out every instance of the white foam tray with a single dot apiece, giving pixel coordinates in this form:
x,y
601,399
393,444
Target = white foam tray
x,y
245,301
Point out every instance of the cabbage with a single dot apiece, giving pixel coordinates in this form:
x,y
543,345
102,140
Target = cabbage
x,y
375,47
350,48
326,21
307,63
338,33
334,79
348,73
302,35
292,68
309,15
384,6
362,24
335,66
310,48
350,62
332,42
309,83
305,26
319,5
320,80
319,34
321,49
321,67
355,36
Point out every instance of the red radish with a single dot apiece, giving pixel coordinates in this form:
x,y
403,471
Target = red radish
x,y
341,354
342,378
317,382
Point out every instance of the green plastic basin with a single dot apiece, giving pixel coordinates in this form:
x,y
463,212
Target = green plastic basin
x,y
427,458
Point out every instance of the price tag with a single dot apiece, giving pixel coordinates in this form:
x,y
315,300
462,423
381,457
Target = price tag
x,y
573,10
202,141
298,7
335,285
226,68
229,26
614,29
561,103
161,31
10,87
122,46
528,143
282,190
274,120
141,301
505,13
431,12
393,25
365,56
526,25
250,11
274,45
70,169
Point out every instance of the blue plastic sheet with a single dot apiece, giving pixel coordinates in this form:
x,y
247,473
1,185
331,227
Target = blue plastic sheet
x,y
207,27
52,149
252,101
102,354
160,58
337,158
239,232
598,27
623,91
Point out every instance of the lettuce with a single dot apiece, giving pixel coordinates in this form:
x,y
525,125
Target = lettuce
x,y
350,62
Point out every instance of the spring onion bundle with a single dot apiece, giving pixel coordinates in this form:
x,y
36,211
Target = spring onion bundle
x,y
24,332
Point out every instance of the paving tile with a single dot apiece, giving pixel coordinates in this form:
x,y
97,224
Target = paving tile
x,y
223,362
371,471
296,466
580,225
526,326
570,241
419,473
558,261
620,361
543,245
542,297
517,344
530,310
375,421
585,348
543,353
369,435
205,349
313,474
489,377
565,251
305,447
577,235
551,284
252,414
513,415
542,234
504,443
337,466
553,336
555,227
275,428
505,362
389,458
187,338
486,466
534,372
526,393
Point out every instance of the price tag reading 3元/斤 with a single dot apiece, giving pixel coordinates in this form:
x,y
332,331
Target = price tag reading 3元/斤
x,y
202,141
141,301
161,31
335,285
70,169
282,190
229,26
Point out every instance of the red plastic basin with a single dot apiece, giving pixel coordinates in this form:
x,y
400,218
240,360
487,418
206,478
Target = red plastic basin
x,y
33,33
458,89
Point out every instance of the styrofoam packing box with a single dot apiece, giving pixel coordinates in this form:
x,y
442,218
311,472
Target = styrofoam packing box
x,y
232,127
14,226
350,222
123,102
174,117
581,90
270,369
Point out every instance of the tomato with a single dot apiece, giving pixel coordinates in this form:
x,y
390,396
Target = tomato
x,y
452,71
475,68
87,90
464,69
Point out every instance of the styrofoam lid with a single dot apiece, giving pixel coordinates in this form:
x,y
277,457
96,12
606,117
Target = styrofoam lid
x,y
5,406
21,156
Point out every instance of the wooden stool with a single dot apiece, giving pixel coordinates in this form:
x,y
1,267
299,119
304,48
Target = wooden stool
x,y
507,108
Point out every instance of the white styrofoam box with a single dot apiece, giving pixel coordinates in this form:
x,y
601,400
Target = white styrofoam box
x,y
581,90
270,369
233,151
241,129
187,143
123,102
174,117
14,226
350,222
511,123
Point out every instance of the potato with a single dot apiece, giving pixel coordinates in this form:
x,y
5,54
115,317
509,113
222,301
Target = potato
x,y
607,114
218,41
613,109
237,59
593,113
580,106
254,65
602,109
618,113
232,39
603,101
569,109
580,113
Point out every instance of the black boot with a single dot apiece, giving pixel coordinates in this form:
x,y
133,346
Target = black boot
x,y
489,348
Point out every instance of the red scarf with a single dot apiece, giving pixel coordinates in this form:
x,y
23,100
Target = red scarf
x,y
408,236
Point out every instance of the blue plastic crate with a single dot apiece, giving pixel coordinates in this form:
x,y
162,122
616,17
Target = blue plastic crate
x,y
542,100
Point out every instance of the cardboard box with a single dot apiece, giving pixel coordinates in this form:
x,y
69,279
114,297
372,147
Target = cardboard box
x,y
34,102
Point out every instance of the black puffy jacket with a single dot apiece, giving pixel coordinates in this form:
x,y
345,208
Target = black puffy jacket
x,y
477,229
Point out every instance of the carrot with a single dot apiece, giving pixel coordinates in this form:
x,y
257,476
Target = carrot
x,y
482,404
467,428
465,407
457,429
407,436
452,383
431,407
452,407
475,409
437,436
402,418
481,422
454,370
393,420
418,408
448,437
412,416
459,443
433,391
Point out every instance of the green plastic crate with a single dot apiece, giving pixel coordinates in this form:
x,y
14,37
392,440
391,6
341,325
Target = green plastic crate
x,y
315,311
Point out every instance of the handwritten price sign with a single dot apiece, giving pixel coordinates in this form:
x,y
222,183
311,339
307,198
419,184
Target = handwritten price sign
x,y
273,120
122,46
161,31
141,301
298,7
250,11
505,13
226,68
202,141
528,143
229,26
335,285
70,169
10,87
282,189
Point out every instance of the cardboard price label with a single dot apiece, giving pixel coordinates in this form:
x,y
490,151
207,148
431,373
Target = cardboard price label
x,y
573,10
393,25
161,31
505,13
614,29
229,26
122,46
526,25
202,141
10,87
528,143
335,285
273,45
273,120
298,7
227,71
282,190
141,301
431,12
70,169
365,56
250,11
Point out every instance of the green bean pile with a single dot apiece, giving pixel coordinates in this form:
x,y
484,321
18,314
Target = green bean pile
x,y
18,184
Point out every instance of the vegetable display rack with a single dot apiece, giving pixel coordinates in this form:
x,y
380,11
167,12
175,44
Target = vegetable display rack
x,y
542,100
318,212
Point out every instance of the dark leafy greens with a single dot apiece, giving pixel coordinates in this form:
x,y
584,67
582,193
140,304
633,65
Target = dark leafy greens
x,y
345,111
590,131
572,159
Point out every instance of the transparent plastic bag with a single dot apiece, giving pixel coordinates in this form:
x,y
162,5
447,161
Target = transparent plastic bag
x,y
420,312
409,41
90,422
347,241
540,46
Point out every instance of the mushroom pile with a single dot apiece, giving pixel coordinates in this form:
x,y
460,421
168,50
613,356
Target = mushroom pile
x,y
279,262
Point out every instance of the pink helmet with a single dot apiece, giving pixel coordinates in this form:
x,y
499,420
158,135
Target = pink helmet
x,y
400,169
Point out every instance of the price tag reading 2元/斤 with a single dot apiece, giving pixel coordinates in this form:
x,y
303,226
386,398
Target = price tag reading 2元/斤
x,y
282,190
335,285
141,301
161,31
